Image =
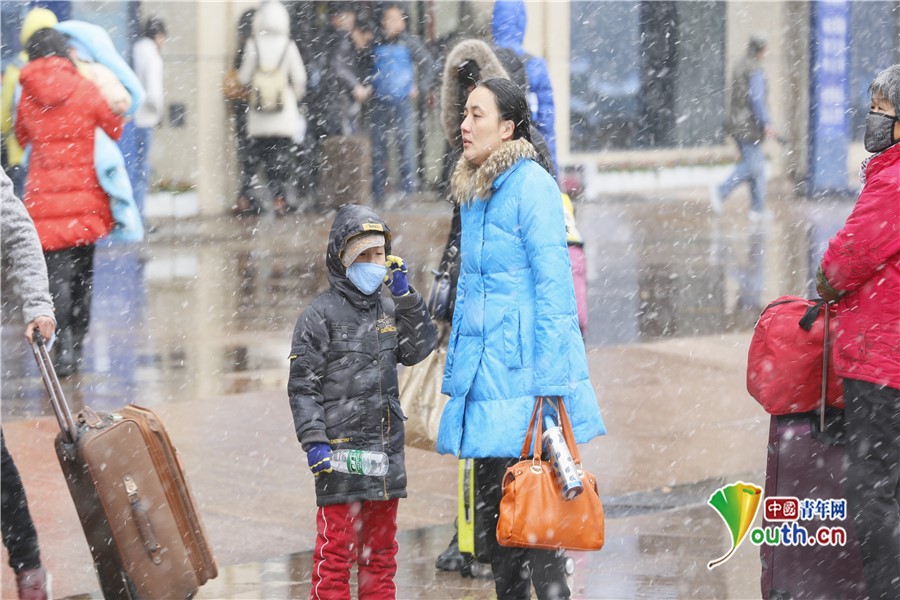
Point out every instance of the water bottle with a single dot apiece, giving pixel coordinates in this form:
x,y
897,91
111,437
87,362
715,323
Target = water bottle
x,y
360,462
561,459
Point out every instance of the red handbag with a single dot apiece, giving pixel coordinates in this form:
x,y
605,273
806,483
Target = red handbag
x,y
787,356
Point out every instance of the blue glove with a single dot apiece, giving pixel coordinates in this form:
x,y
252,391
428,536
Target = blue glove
x,y
319,458
396,277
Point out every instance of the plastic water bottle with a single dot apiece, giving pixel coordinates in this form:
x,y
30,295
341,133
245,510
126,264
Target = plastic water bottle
x,y
561,458
360,462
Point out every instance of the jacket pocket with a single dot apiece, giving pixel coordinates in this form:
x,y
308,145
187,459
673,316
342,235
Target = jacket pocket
x,y
512,341
342,419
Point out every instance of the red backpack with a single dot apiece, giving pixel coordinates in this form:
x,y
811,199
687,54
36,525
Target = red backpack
x,y
784,365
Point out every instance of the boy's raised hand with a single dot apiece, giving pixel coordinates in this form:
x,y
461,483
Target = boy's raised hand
x,y
396,277
319,458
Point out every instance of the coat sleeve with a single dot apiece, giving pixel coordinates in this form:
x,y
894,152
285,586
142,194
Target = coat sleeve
x,y
342,62
416,332
249,61
22,247
297,72
308,361
149,69
868,239
542,88
458,310
107,120
23,118
543,228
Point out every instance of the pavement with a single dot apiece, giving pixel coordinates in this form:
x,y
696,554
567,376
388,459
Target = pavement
x,y
205,342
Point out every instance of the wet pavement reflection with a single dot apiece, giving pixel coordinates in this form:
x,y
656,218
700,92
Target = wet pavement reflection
x,y
207,308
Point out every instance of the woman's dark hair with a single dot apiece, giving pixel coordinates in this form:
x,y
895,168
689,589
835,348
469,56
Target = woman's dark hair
x,y
47,42
513,106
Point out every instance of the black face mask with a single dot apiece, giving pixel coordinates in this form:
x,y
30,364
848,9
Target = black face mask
x,y
879,132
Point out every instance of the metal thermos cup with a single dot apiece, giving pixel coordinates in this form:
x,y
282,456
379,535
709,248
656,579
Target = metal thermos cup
x,y
561,458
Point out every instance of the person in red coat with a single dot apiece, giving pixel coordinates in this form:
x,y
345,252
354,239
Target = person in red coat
x,y
861,272
57,115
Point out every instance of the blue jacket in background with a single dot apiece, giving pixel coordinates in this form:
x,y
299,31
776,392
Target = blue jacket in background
x,y
515,329
397,65
508,27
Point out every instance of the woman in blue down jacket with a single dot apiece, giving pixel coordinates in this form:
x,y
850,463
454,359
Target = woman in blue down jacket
x,y
515,329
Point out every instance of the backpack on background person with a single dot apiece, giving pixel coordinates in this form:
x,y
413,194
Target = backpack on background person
x,y
267,87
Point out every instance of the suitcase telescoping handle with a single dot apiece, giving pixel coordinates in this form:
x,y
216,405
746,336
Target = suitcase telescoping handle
x,y
51,381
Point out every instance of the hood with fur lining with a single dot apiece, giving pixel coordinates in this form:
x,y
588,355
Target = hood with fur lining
x,y
452,96
469,181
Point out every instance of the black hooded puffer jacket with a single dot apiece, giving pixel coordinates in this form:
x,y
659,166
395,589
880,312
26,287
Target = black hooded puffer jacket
x,y
343,381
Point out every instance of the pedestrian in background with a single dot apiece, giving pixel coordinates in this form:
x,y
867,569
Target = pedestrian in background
x,y
96,57
273,69
37,18
22,254
57,115
343,394
860,271
402,72
508,23
148,66
749,124
247,204
515,331
344,85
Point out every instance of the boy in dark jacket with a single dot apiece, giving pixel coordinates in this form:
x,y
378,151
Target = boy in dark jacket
x,y
344,394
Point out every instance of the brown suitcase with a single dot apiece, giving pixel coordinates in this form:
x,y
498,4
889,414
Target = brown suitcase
x,y
132,498
346,173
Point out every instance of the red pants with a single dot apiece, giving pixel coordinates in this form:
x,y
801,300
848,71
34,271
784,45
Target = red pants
x,y
361,532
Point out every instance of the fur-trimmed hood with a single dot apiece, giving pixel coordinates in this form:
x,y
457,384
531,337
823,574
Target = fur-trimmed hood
x,y
469,181
452,97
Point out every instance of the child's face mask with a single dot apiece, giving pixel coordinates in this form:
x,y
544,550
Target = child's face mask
x,y
366,276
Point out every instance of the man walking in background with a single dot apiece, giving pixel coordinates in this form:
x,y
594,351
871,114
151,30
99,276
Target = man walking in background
x,y
749,124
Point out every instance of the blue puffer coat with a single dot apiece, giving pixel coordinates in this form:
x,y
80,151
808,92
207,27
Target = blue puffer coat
x,y
515,328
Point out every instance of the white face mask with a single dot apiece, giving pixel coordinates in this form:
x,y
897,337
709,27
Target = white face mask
x,y
366,276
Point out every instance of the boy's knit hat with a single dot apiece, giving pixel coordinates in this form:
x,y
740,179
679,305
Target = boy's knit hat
x,y
358,244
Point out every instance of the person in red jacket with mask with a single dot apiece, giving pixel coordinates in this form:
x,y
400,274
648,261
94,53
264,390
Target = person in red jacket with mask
x,y
57,115
861,272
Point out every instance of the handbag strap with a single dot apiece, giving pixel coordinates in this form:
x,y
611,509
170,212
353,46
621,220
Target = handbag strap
x,y
536,415
568,432
564,423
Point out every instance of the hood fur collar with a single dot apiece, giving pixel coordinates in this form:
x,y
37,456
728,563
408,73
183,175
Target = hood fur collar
x,y
469,181
453,98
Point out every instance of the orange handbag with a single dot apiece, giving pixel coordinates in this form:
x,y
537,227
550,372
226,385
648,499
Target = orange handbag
x,y
533,512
